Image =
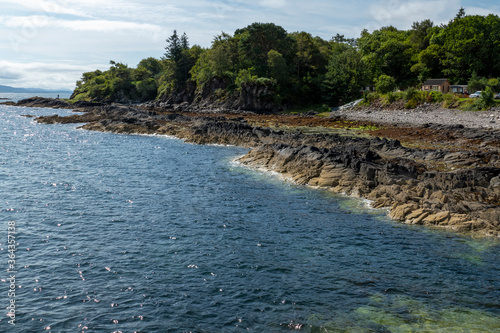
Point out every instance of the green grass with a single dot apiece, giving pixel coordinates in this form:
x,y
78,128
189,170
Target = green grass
x,y
365,128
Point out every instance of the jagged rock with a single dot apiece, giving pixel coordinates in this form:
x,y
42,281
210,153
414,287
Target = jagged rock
x,y
399,212
43,102
378,169
438,218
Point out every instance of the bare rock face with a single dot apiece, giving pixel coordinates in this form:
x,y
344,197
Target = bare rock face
x,y
215,97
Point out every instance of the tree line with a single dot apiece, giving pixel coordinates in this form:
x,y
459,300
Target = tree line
x,y
301,69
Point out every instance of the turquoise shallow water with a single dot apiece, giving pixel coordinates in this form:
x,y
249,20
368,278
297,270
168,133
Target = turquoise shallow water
x,y
150,234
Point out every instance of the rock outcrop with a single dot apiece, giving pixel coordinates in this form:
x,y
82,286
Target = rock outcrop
x,y
43,102
459,190
215,97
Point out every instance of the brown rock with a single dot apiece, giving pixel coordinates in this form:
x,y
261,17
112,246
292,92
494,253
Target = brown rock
x,y
438,218
399,212
417,216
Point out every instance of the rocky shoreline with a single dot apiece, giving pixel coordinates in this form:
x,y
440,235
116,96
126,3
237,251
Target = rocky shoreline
x,y
439,175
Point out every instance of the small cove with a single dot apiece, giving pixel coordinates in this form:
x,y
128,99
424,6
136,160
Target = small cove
x,y
146,233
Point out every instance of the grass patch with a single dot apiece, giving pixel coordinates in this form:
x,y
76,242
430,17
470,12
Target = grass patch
x,y
365,128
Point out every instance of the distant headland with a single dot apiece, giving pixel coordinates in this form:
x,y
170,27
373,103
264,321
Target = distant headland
x,y
9,89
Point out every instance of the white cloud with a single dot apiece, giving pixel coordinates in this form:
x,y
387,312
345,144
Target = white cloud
x,y
104,25
76,25
45,7
273,3
403,13
481,11
45,75
7,73
57,40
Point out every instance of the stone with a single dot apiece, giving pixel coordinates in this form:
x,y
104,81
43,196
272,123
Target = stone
x,y
438,218
417,216
399,212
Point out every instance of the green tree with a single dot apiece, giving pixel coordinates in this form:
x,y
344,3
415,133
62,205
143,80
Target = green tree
x,y
494,84
387,51
419,36
429,63
151,64
255,42
385,84
221,61
476,83
173,50
308,68
345,76
145,79
470,44
278,68
178,63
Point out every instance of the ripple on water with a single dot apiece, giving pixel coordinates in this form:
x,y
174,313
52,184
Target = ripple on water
x,y
129,233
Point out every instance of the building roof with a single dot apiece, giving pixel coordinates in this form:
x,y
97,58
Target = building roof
x,y
435,82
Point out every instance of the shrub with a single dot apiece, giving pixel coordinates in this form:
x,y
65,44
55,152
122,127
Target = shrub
x,y
385,84
410,93
436,97
483,103
411,104
245,76
488,97
220,93
399,95
494,84
389,98
475,105
369,98
476,83
449,100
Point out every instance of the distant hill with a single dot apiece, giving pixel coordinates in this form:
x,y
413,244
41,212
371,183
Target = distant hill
x,y
7,89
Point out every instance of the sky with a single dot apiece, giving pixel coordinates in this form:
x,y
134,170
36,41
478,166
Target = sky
x,y
50,43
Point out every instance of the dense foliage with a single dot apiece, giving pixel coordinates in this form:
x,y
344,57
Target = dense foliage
x,y
302,69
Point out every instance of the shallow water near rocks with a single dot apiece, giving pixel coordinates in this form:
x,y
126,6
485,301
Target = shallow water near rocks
x,y
148,233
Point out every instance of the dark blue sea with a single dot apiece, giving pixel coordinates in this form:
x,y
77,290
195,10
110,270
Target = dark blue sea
x,y
127,233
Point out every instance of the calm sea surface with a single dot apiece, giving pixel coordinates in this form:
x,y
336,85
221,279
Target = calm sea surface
x,y
120,233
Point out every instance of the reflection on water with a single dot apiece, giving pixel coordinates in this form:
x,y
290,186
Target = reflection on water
x,y
146,233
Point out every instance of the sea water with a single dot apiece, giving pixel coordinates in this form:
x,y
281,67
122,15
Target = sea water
x,y
127,233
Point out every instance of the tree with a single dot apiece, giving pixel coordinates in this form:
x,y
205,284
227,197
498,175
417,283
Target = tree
x,y
387,51
494,84
173,50
460,14
470,44
308,67
419,36
151,64
476,83
338,38
345,76
429,63
177,59
220,61
385,84
255,42
278,68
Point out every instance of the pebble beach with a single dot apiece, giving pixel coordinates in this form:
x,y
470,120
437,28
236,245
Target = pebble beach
x,y
426,114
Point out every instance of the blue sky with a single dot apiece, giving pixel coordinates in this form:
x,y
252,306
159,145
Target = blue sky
x,y
50,43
